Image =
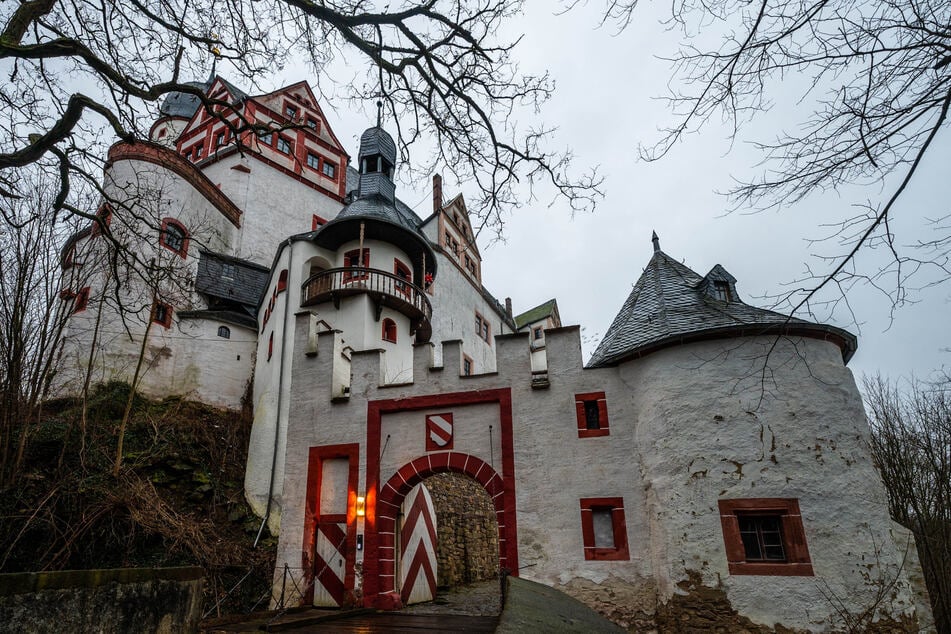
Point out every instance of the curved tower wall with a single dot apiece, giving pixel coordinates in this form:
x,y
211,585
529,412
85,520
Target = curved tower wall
x,y
711,424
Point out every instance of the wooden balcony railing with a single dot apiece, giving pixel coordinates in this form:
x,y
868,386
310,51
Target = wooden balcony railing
x,y
386,289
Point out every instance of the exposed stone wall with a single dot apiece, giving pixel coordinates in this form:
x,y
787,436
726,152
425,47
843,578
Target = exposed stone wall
x,y
159,600
467,534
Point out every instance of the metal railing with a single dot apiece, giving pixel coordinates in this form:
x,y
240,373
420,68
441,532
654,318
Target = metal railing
x,y
352,280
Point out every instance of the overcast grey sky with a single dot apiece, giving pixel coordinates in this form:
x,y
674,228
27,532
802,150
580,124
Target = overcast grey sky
x,y
605,104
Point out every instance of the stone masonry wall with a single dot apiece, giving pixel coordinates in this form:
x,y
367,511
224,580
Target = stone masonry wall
x,y
159,601
467,535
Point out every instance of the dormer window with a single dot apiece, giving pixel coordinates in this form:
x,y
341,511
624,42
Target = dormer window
x,y
290,112
721,290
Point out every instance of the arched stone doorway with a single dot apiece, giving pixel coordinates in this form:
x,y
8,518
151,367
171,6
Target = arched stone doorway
x,y
386,492
380,570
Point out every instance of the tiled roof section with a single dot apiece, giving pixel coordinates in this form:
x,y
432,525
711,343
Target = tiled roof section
x,y
669,304
232,279
182,104
535,314
379,208
378,141
234,317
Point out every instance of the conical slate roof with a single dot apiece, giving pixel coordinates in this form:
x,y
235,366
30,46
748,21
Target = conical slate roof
x,y
672,304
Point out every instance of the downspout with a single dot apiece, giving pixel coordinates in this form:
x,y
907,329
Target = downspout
x,y
280,393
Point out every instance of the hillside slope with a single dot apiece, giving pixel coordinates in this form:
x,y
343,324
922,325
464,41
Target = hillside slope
x,y
177,501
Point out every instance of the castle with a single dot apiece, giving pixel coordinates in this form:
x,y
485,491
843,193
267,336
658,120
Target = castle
x,y
707,444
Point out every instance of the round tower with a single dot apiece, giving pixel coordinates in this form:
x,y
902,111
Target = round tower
x,y
372,280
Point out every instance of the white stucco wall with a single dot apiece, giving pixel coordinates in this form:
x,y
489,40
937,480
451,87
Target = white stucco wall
x,y
687,428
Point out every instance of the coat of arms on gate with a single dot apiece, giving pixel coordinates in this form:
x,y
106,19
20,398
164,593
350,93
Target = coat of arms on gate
x,y
438,432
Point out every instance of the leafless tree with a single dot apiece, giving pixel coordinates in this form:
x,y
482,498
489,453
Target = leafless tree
x,y
871,80
33,314
438,66
911,443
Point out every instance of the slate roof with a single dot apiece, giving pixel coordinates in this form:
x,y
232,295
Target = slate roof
x,y
672,304
183,104
376,140
379,208
244,284
535,314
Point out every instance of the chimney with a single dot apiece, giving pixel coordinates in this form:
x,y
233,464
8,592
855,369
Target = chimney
x,y
437,193
508,307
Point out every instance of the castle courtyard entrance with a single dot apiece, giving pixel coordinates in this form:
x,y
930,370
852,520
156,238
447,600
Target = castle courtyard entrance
x,y
465,438
448,538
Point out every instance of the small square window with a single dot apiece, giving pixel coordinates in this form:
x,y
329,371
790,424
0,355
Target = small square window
x,y
313,161
283,145
329,170
483,331
721,290
538,333
604,530
290,112
174,237
312,124
267,138
224,332
389,330
591,411
764,536
162,314
81,300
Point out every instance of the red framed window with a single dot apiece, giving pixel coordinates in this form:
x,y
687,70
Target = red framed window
x,y
389,330
313,161
290,111
313,124
404,273
591,410
220,139
162,314
282,281
284,146
328,169
764,536
174,236
351,259
266,138
316,222
80,300
104,219
603,529
483,329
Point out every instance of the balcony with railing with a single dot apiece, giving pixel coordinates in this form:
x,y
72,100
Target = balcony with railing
x,y
384,289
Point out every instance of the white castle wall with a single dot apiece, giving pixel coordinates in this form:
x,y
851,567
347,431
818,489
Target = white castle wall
x,y
144,195
275,205
669,456
710,425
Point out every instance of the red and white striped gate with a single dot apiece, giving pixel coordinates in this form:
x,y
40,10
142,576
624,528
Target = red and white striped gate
x,y
418,548
330,556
